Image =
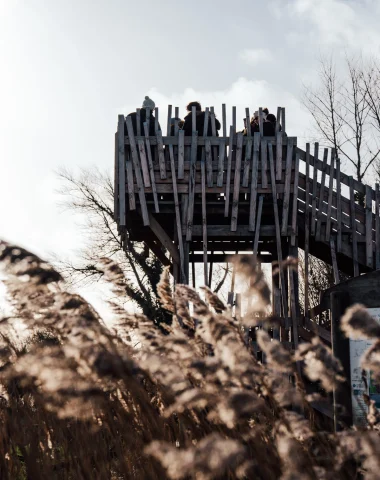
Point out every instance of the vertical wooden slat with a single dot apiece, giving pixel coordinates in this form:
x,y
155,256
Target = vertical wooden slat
x,y
116,210
353,228
295,200
307,227
125,165
222,151
283,120
247,121
143,162
161,154
193,166
151,167
338,207
315,189
278,156
177,212
321,195
204,219
235,199
229,167
278,232
377,225
288,178
138,122
234,118
168,120
214,156
278,121
208,162
181,154
368,226
329,204
156,127
261,121
255,171
247,161
136,166
334,261
147,119
264,165
176,116
258,224
224,120
210,271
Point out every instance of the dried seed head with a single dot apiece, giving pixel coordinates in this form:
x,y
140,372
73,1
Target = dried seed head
x,y
358,323
165,292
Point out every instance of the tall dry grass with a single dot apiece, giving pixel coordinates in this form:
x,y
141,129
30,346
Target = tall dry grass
x,y
78,401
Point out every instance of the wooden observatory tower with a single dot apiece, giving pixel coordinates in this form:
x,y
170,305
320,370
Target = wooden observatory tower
x,y
198,199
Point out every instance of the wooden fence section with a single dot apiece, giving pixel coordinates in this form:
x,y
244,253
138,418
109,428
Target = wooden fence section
x,y
199,193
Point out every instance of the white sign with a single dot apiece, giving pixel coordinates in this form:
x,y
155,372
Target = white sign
x,y
358,385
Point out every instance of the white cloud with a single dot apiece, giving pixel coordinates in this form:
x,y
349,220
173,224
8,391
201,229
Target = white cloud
x,y
255,56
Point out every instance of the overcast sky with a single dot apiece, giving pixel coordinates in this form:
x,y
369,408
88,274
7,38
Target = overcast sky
x,y
70,66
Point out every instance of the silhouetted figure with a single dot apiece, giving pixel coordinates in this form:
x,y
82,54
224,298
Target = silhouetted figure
x,y
172,125
147,103
200,121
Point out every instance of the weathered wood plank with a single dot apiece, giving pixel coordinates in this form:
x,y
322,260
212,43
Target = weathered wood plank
x,y
264,163
315,189
177,213
261,121
278,121
295,201
164,238
222,152
224,120
331,190
116,209
235,198
334,261
338,207
247,162
307,228
181,154
368,227
210,179
192,185
228,180
288,174
136,167
377,225
138,122
321,195
161,154
170,107
125,165
283,120
278,155
258,224
234,119
151,167
353,226
143,162
204,221
254,176
247,121
278,233
208,163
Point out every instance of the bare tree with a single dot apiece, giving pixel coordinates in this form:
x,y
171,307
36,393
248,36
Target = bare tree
x,y
343,113
91,194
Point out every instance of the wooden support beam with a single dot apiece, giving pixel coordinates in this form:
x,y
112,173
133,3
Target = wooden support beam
x,y
258,224
122,169
116,207
288,176
338,207
164,239
264,163
204,205
307,228
295,201
321,195
315,190
181,154
331,188
194,141
334,261
247,161
161,154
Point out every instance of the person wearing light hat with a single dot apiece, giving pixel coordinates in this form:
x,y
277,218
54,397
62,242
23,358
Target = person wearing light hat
x,y
148,103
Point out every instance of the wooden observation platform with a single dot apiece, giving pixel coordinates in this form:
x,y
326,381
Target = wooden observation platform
x,y
197,199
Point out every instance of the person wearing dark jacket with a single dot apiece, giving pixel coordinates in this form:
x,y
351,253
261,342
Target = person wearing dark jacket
x,y
172,125
148,103
200,121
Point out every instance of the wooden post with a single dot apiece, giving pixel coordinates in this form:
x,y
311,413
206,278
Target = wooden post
x,y
341,350
353,227
307,228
